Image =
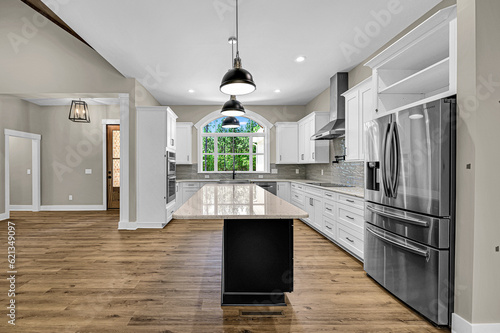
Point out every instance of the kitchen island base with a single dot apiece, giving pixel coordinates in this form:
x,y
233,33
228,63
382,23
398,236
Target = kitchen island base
x,y
257,262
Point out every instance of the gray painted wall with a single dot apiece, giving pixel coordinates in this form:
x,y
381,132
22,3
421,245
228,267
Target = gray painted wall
x,y
67,149
19,163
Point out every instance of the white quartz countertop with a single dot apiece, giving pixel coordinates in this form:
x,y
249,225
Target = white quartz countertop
x,y
238,201
354,191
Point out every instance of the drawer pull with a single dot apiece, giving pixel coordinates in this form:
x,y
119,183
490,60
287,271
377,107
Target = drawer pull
x,y
328,209
350,240
328,227
328,195
349,217
349,200
296,196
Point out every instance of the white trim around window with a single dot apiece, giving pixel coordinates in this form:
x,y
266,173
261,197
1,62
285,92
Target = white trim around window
x,y
266,125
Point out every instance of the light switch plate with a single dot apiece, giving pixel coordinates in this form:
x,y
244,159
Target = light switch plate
x,y
275,171
70,197
322,172
28,171
88,171
297,171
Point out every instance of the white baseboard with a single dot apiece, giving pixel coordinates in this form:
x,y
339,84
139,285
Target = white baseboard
x,y
48,208
4,216
460,325
21,208
125,225
150,225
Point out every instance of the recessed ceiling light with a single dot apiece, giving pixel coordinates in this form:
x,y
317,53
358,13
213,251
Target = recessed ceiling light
x,y
191,91
277,91
300,59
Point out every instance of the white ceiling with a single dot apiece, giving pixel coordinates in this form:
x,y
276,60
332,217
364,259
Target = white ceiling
x,y
172,46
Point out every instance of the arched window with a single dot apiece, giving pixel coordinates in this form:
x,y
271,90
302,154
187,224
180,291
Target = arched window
x,y
245,148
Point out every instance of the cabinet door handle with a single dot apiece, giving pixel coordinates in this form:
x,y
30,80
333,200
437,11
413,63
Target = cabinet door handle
x,y
313,155
302,157
280,158
188,158
172,141
311,202
350,240
350,218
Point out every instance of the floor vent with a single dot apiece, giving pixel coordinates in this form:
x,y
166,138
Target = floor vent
x,y
261,313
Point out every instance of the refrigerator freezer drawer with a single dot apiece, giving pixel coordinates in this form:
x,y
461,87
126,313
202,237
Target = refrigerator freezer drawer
x,y
424,229
416,274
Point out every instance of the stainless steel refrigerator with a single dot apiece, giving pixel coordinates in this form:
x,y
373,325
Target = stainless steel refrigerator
x,y
410,206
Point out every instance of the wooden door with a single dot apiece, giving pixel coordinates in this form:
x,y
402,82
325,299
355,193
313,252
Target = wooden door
x,y
113,165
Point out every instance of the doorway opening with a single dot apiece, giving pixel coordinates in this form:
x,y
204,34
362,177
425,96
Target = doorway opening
x,y
113,166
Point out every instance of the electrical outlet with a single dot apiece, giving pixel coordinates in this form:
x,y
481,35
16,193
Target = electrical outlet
x,y
274,171
261,176
88,171
70,197
322,172
297,171
207,176
28,172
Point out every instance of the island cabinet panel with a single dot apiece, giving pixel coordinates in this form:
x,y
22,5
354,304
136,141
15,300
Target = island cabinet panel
x,y
257,261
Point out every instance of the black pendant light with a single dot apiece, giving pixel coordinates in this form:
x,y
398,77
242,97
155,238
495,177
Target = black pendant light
x,y
232,108
79,112
230,122
237,81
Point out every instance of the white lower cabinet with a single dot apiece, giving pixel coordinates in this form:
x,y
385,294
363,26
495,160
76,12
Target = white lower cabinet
x,y
186,190
337,216
284,190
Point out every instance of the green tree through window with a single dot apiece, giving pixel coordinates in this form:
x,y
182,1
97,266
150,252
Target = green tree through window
x,y
223,147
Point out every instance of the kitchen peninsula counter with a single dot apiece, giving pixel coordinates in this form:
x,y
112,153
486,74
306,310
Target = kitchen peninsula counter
x,y
257,241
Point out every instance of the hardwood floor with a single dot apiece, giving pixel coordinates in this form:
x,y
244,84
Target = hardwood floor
x,y
78,273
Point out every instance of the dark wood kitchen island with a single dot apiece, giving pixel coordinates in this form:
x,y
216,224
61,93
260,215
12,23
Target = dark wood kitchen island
x,y
257,245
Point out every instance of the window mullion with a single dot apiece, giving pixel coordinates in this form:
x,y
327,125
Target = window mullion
x,y
216,155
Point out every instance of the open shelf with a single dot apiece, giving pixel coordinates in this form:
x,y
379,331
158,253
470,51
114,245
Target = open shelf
x,y
425,81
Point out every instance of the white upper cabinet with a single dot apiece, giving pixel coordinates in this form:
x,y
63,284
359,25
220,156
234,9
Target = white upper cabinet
x,y
358,110
183,143
171,129
287,150
419,67
311,151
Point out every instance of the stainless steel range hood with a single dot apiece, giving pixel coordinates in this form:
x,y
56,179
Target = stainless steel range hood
x,y
336,126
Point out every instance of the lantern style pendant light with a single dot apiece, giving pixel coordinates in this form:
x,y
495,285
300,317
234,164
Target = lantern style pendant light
x,y
230,122
237,81
79,112
233,108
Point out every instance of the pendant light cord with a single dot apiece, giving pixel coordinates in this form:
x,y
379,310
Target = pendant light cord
x,y
237,37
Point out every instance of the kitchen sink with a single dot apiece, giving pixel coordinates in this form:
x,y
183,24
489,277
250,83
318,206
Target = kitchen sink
x,y
329,185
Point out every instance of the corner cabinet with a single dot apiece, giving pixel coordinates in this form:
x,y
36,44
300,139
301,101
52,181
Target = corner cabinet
x,y
153,135
287,142
419,67
358,110
183,143
313,151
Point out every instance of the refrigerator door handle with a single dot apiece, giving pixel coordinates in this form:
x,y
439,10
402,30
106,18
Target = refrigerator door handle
x,y
383,160
395,156
423,253
398,217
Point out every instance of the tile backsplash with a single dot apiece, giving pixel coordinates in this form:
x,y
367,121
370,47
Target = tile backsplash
x,y
285,171
347,173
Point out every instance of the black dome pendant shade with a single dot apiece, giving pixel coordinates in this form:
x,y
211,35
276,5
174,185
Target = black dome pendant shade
x,y
237,81
230,122
232,108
